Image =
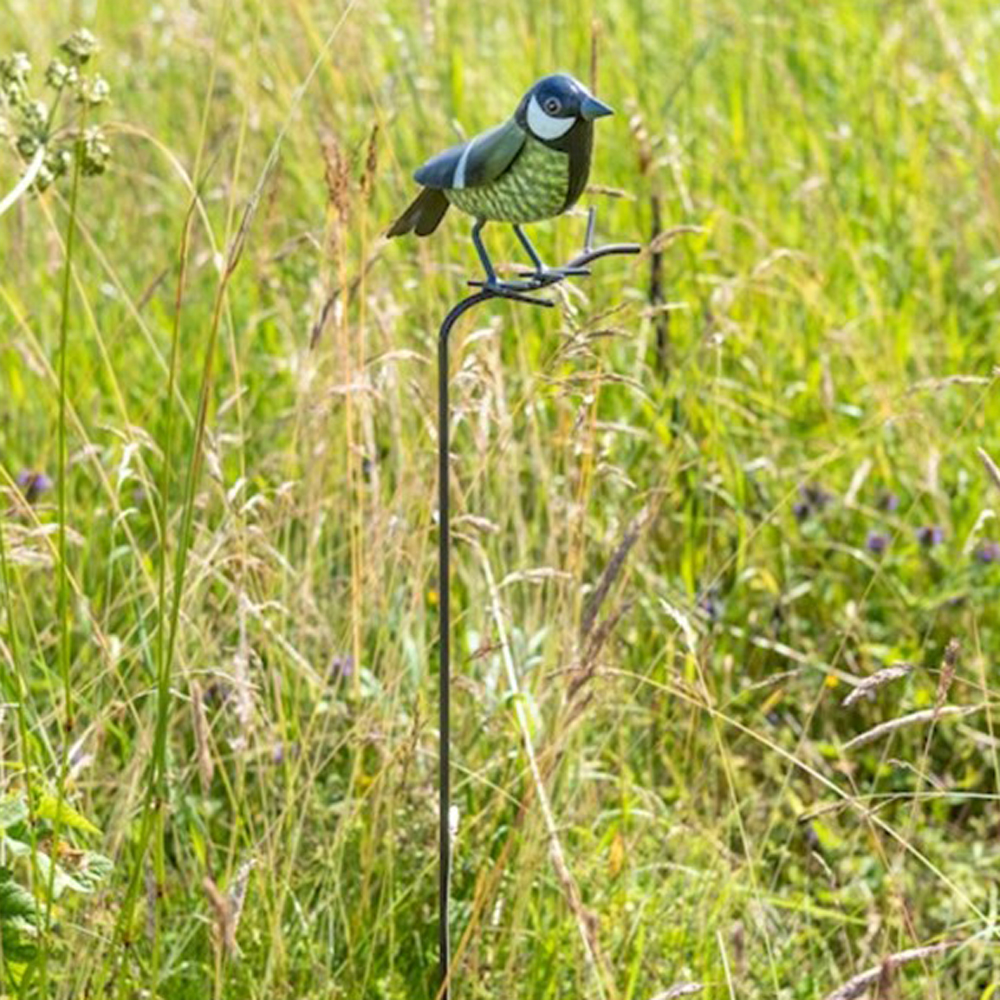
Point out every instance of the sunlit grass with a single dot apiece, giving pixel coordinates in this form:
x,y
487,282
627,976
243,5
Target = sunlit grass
x,y
250,491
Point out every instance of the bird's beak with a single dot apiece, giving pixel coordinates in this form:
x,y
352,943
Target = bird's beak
x,y
591,108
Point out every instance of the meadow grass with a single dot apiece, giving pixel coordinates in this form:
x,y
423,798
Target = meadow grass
x,y
698,504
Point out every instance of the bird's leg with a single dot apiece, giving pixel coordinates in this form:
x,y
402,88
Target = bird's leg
x,y
505,289
484,257
544,275
540,268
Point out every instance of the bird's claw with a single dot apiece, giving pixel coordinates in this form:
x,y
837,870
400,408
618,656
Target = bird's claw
x,y
516,290
552,275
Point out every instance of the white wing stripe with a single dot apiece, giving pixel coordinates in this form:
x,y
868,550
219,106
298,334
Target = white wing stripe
x,y
459,180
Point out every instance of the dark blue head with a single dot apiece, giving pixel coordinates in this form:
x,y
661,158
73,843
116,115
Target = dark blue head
x,y
555,104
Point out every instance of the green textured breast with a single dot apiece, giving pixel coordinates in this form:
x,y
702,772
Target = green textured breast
x,y
534,187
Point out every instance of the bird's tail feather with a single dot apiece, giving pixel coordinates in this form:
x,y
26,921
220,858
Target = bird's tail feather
x,y
423,216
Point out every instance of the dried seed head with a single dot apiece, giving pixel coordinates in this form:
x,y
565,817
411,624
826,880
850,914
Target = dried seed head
x,y
991,467
879,679
238,893
860,984
611,571
206,766
337,173
644,146
680,990
371,164
883,988
931,715
948,667
222,928
228,907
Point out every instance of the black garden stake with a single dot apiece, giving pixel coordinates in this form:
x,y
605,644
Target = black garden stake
x,y
516,291
533,166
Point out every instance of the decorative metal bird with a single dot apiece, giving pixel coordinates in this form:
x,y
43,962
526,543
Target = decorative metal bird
x,y
532,167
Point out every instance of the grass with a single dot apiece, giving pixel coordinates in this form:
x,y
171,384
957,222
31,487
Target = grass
x,y
231,660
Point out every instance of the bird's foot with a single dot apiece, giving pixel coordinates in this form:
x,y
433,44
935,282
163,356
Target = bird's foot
x,y
516,290
544,276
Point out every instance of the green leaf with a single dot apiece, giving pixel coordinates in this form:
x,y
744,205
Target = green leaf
x,y
13,810
826,836
84,875
59,880
18,920
62,813
15,971
16,848
15,900
91,871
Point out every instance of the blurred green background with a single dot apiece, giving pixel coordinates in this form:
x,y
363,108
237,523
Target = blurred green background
x,y
761,435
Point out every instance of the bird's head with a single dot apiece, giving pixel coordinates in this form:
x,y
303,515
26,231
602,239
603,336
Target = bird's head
x,y
555,104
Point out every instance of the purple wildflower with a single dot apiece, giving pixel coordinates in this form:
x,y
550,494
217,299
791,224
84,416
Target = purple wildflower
x,y
33,484
815,496
280,751
929,535
341,666
812,499
988,552
709,603
812,838
889,502
217,693
876,542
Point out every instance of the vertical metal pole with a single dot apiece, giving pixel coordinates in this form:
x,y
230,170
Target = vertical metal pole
x,y
444,648
514,293
444,674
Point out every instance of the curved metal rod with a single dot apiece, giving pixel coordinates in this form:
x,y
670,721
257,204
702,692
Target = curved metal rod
x,y
516,293
595,253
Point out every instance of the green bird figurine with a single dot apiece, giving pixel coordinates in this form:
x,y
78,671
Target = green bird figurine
x,y
532,167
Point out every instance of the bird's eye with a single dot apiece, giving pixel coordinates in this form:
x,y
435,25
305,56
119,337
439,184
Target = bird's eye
x,y
553,105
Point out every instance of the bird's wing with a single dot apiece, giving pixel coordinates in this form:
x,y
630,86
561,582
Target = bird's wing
x,y
476,162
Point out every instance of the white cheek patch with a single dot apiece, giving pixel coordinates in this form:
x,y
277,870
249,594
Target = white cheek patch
x,y
545,126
